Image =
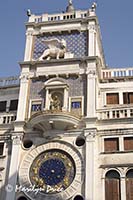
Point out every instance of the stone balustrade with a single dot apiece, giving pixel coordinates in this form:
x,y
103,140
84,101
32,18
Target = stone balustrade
x,y
7,118
59,16
116,73
102,114
115,113
9,81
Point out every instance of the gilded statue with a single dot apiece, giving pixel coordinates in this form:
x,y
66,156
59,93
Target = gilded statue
x,y
55,103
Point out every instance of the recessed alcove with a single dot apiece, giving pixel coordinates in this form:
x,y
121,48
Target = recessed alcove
x,y
27,144
22,198
78,197
80,141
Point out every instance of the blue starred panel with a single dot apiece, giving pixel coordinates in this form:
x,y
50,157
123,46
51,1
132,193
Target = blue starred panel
x,y
53,171
76,43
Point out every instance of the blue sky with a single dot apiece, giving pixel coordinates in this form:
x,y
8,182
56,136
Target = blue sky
x,y
115,18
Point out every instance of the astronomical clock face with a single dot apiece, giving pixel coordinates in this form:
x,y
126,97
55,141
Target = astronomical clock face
x,y
55,169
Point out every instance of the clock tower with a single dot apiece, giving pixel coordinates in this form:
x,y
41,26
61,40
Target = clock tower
x,y
55,136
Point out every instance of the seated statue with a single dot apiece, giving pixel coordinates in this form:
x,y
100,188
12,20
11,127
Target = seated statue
x,y
55,103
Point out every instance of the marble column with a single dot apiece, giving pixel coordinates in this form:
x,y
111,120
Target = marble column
x,y
89,168
123,188
14,164
65,105
28,47
48,98
91,92
23,96
92,39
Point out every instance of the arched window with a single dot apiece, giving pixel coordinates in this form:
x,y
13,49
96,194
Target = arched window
x,y
112,185
129,184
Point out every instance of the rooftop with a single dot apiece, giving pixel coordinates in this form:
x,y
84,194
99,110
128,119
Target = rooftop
x,y
9,81
69,14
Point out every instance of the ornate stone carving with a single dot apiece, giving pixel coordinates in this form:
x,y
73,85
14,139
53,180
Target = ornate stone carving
x,y
57,49
17,138
92,28
29,33
92,72
24,77
90,136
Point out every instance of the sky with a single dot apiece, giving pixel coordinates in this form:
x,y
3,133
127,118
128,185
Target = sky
x,y
115,19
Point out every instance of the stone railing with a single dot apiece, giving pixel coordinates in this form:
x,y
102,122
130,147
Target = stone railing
x,y
7,118
115,113
116,73
59,16
54,112
9,81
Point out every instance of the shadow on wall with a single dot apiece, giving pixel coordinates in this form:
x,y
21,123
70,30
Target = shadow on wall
x,y
6,191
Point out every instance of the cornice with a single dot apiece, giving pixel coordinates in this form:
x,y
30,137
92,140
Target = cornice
x,y
59,62
60,22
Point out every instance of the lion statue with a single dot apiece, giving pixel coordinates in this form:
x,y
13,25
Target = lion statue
x,y
57,49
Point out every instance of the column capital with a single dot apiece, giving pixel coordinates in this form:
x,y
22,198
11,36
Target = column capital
x,y
24,77
17,137
92,28
91,72
29,33
90,136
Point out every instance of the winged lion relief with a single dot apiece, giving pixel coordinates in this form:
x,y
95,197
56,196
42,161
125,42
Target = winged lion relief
x,y
56,49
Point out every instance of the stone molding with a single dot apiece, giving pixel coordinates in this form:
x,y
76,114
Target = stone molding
x,y
90,136
17,138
